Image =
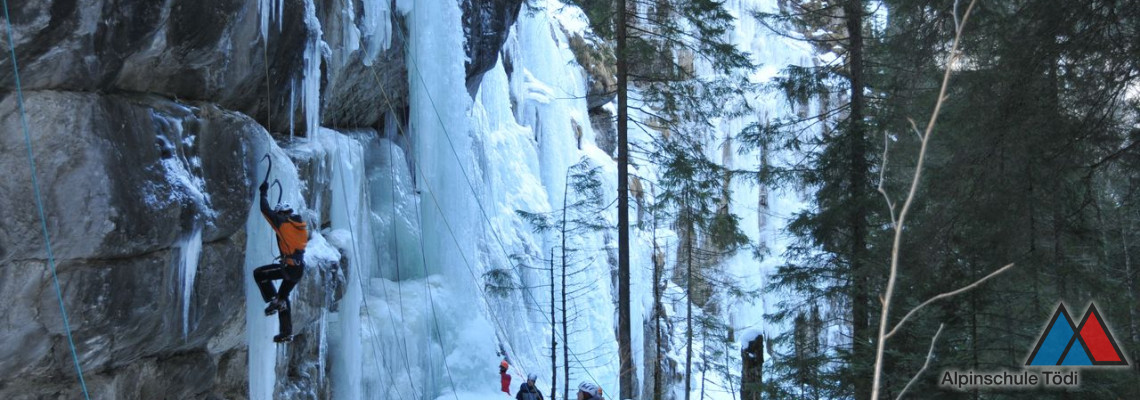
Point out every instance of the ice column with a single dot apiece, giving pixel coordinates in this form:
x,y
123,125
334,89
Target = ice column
x,y
190,248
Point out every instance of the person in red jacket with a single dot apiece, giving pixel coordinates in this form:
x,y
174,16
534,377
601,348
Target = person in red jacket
x,y
504,377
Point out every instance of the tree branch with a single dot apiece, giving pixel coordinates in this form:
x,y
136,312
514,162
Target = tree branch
x,y
882,173
953,56
929,355
945,295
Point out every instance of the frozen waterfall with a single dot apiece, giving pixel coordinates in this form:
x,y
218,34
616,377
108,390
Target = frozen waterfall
x,y
419,214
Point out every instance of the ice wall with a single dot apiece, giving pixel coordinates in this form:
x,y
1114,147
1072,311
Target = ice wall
x,y
422,212
764,222
450,207
261,249
476,163
351,222
336,163
765,211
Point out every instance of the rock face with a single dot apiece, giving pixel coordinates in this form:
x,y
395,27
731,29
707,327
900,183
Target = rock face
x,y
103,164
145,116
486,23
202,50
597,58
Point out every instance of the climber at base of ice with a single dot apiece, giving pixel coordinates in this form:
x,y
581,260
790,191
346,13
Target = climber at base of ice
x,y
589,391
292,237
504,377
528,390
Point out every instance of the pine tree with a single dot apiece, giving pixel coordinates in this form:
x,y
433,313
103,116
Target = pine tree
x,y
656,47
834,239
1033,134
691,186
576,217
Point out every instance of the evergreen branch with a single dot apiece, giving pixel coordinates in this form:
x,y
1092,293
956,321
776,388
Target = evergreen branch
x,y
761,17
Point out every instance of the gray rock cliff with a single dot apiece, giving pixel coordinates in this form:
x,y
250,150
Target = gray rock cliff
x,y
124,98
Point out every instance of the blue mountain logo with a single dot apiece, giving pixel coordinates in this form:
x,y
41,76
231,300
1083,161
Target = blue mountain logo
x,y
1087,344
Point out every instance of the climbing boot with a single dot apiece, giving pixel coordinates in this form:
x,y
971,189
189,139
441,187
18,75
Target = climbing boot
x,y
275,306
283,338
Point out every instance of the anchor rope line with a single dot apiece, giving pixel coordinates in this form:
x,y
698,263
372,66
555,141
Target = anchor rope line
x,y
40,204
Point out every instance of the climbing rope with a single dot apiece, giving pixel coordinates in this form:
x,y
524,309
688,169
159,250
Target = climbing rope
x,y
39,202
498,324
364,294
474,193
396,255
483,296
359,281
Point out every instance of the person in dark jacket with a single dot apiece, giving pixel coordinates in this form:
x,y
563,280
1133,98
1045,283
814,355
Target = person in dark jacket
x,y
528,390
292,237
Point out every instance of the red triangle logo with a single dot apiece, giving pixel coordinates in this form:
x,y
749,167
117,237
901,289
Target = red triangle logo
x,y
1098,340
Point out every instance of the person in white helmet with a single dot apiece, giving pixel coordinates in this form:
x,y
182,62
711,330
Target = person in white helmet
x,y
528,390
292,237
589,391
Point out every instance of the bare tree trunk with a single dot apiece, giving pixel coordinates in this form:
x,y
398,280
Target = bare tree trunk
x,y
727,370
974,329
689,313
751,378
553,332
705,364
565,332
857,175
625,371
657,309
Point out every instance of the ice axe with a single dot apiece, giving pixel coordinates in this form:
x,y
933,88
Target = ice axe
x,y
280,189
266,180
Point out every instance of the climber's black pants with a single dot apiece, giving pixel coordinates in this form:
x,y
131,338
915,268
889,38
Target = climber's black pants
x,y
289,276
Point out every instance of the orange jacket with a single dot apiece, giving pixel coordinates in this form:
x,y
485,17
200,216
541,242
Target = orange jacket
x,y
292,233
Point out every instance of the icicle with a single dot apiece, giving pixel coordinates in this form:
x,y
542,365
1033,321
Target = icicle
x,y
270,11
323,346
350,35
190,249
292,106
405,6
376,28
311,78
264,14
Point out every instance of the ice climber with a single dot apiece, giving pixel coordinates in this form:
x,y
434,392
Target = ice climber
x,y
527,390
292,236
504,377
589,391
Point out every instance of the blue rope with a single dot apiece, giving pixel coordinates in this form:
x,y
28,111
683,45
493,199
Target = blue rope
x,y
415,71
39,202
